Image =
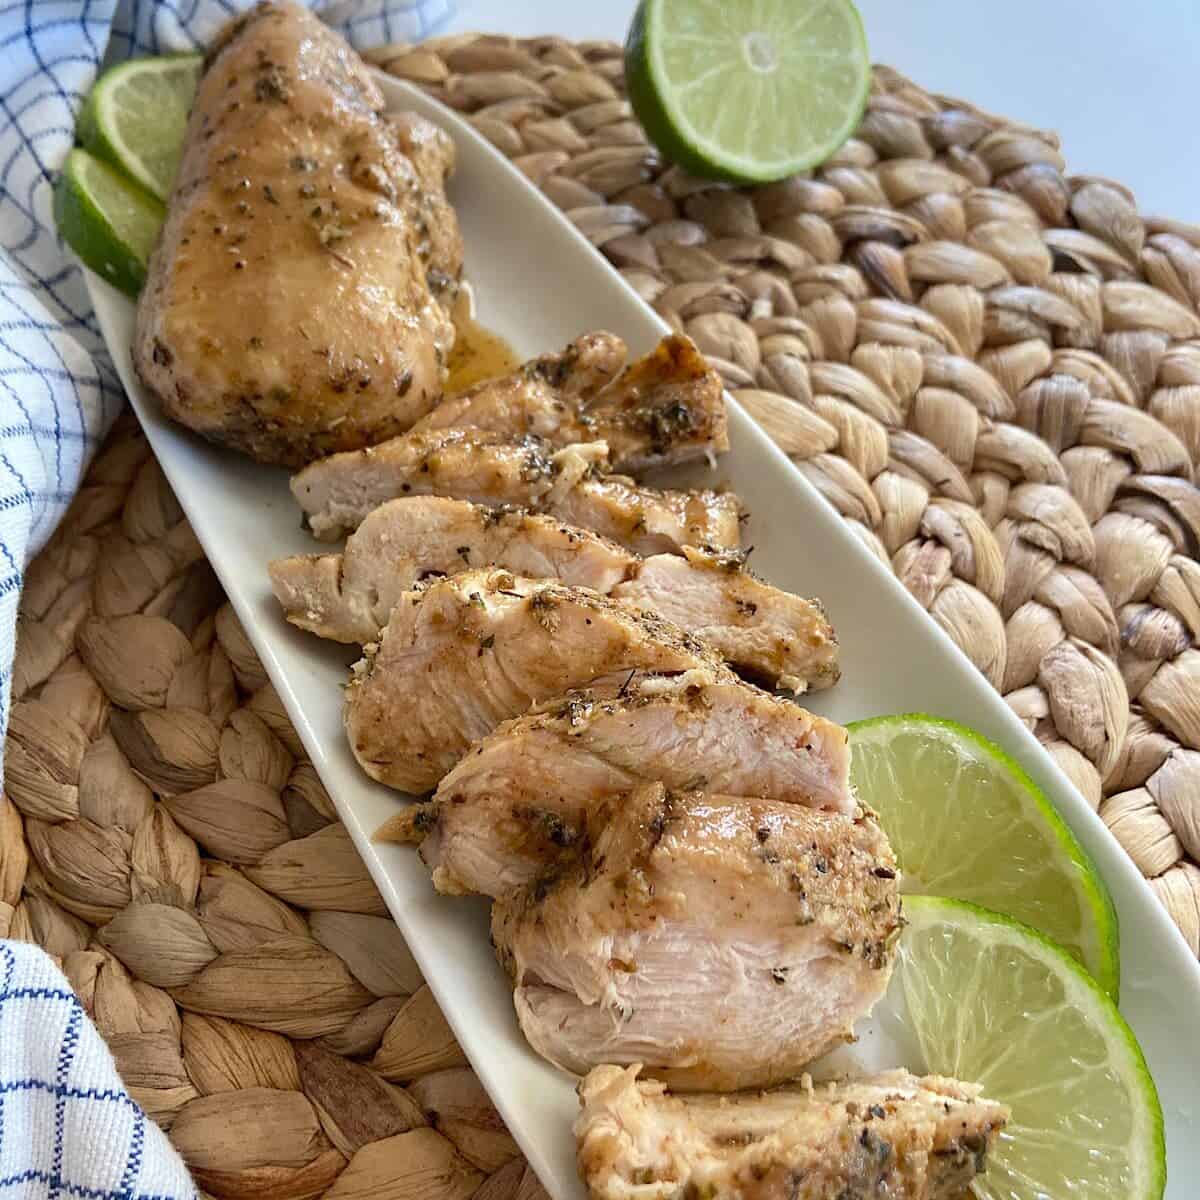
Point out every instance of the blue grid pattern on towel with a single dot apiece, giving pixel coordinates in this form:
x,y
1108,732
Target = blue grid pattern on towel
x,y
67,1126
59,393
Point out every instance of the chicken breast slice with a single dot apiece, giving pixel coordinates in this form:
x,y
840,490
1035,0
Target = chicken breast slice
x,y
348,597
892,1135
293,307
338,493
769,635
666,407
773,637
466,653
511,808
723,942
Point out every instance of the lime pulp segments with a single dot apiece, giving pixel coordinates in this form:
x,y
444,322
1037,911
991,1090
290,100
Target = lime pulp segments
x,y
992,1001
750,91
135,118
107,221
967,822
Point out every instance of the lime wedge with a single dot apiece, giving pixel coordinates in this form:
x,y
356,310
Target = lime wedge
x,y
135,117
991,1001
107,221
967,822
747,91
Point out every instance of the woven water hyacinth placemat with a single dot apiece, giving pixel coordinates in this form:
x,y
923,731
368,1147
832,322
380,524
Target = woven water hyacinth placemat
x,y
991,368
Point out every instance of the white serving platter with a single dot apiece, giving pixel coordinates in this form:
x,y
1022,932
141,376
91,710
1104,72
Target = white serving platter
x,y
539,283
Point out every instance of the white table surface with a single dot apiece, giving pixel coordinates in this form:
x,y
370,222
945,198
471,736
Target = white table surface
x,y
1116,79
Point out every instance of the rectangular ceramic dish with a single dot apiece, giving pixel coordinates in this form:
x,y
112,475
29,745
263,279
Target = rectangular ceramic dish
x,y
539,283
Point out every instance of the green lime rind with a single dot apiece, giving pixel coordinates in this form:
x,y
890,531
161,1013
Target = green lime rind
x,y
996,881
706,151
1064,1096
110,223
135,116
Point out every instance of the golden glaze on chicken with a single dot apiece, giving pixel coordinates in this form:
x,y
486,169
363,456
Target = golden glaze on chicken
x,y
887,1137
294,304
722,941
666,407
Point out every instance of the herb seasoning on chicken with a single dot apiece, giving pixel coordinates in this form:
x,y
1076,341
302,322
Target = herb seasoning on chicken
x,y
722,941
298,300
468,652
508,810
887,1137
666,407
338,493
770,635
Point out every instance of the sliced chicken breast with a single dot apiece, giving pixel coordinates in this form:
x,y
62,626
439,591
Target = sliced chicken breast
x,y
769,635
649,520
337,493
348,597
509,809
466,653
667,407
892,1136
722,941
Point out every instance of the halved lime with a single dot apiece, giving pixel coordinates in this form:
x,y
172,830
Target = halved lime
x,y
967,822
107,221
748,91
991,1001
135,116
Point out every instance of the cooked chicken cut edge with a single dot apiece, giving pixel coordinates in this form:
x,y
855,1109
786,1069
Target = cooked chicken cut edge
x,y
722,941
771,635
522,797
666,407
890,1135
463,654
338,493
293,305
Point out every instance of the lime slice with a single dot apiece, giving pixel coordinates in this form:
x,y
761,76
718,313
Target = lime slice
x,y
991,1001
749,92
107,221
967,822
135,117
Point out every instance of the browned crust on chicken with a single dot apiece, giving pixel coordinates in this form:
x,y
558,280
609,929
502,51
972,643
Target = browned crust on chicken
x,y
466,653
666,407
893,1136
725,942
294,301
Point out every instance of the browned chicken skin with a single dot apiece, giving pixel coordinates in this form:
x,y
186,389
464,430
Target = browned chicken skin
x,y
465,653
770,635
887,1137
522,799
667,407
294,301
722,941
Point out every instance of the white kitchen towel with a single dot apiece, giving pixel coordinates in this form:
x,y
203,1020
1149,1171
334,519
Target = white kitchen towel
x,y
68,1128
58,392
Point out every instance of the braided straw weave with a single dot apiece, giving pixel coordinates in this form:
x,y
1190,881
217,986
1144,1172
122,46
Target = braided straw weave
x,y
991,369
